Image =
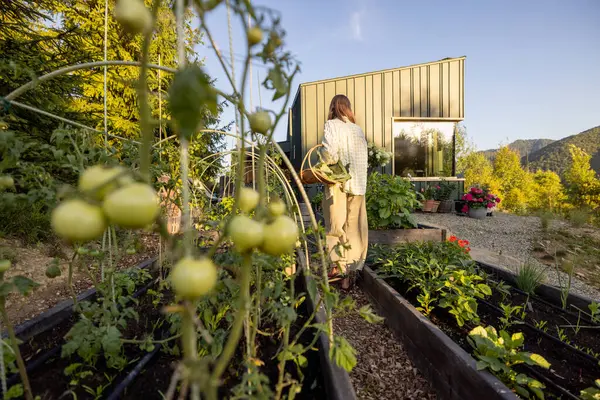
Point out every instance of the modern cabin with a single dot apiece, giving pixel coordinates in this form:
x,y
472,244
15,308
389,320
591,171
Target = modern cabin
x,y
410,111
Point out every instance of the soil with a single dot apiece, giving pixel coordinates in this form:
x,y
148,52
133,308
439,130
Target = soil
x,y
31,262
538,311
384,370
568,369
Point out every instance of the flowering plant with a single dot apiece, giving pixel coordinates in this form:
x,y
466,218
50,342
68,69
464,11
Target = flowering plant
x,y
378,157
478,198
463,244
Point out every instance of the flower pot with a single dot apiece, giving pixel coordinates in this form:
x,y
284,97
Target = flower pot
x,y
436,205
458,206
428,205
446,206
478,213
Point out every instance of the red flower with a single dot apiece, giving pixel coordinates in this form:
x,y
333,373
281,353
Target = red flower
x,y
452,238
497,199
462,243
490,205
469,197
465,208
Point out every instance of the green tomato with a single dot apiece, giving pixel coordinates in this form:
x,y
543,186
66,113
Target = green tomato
x,y
130,251
245,233
193,278
249,199
133,15
133,206
276,208
53,271
7,182
92,178
4,265
82,251
255,36
280,236
78,221
260,122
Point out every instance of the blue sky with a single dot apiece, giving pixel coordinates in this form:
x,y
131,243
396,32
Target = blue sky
x,y
532,67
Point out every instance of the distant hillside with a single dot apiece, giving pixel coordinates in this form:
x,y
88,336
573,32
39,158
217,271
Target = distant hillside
x,y
523,146
555,156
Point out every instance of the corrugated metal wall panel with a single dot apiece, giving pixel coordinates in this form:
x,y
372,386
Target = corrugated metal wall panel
x,y
434,91
431,90
405,93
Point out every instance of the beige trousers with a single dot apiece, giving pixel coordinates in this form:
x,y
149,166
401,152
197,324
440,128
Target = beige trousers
x,y
346,228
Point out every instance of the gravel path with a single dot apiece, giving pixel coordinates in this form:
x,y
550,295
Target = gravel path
x,y
383,370
507,235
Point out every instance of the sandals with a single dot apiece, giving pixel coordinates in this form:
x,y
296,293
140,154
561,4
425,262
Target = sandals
x,y
336,275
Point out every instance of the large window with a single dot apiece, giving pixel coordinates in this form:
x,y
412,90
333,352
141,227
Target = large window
x,y
423,149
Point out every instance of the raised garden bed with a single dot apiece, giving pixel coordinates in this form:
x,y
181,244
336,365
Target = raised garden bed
x,y
397,236
439,346
450,369
149,370
548,293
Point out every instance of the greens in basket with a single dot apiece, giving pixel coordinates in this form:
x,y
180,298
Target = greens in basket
x,y
336,172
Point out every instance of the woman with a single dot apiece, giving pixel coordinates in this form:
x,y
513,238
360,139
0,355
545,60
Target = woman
x,y
344,205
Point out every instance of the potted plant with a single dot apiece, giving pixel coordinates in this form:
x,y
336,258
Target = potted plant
x,y
444,196
378,157
430,194
478,202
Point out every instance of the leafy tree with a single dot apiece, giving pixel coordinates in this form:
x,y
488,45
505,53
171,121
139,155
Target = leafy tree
x,y
514,182
582,184
478,171
43,36
548,192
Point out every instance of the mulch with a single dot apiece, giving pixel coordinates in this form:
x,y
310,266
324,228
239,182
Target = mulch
x,y
383,370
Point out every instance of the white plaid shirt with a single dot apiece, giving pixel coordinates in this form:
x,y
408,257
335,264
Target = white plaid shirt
x,y
346,141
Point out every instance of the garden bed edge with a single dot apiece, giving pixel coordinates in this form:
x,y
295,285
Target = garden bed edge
x,y
337,380
450,369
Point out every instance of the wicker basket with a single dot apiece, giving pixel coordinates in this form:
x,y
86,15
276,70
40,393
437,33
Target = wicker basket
x,y
311,175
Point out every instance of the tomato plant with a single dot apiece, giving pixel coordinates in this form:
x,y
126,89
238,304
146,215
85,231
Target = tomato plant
x,y
219,301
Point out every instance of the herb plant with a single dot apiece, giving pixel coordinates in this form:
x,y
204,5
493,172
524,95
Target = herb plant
x,y
592,393
499,353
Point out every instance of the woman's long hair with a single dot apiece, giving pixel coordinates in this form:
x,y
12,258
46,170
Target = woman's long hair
x,y
340,108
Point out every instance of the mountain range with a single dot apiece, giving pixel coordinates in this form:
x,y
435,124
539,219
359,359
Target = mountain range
x,y
554,155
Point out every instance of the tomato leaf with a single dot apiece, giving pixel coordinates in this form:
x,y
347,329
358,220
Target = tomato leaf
x,y
6,288
111,341
342,353
190,95
24,285
367,313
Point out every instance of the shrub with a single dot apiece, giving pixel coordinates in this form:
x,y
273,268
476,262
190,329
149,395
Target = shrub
x,y
390,201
